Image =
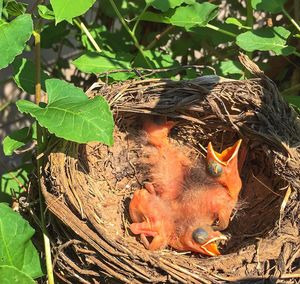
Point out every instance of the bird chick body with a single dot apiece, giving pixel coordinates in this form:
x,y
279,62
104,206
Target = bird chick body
x,y
167,163
183,201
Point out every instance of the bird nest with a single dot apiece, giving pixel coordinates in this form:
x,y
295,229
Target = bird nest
x,y
88,187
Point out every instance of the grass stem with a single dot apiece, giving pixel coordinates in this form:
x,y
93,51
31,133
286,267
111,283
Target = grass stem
x,y
285,12
83,28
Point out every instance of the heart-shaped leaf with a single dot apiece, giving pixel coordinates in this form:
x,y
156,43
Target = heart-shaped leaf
x,y
14,36
67,9
266,39
69,114
16,248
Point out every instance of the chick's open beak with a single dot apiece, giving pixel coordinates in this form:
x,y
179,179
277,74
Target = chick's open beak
x,y
226,156
210,247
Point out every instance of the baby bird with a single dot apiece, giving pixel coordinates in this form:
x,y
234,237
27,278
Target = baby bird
x,y
164,221
185,198
167,164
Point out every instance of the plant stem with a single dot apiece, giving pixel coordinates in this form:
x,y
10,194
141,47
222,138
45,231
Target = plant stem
x,y
159,36
249,21
136,43
296,53
210,26
291,91
291,19
82,26
37,44
139,18
4,106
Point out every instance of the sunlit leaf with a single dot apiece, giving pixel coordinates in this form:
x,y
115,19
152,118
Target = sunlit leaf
x,y
156,59
93,62
230,68
12,275
16,139
16,248
45,12
198,14
12,183
69,114
266,39
14,36
237,22
68,9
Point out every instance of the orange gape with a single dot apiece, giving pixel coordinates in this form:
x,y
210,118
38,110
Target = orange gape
x,y
185,198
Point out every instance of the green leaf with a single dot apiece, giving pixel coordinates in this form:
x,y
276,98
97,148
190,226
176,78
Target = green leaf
x,y
230,68
293,100
67,9
16,248
198,14
125,7
203,36
53,34
16,140
157,60
45,12
12,275
96,34
24,75
156,18
13,182
237,22
14,8
272,6
69,114
93,62
166,5
14,36
266,39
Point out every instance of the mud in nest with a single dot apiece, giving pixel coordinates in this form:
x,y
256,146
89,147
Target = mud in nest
x,y
88,188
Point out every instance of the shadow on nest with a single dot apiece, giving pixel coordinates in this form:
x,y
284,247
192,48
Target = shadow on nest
x,y
88,188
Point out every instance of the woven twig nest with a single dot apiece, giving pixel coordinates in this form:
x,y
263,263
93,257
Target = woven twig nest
x,y
88,188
